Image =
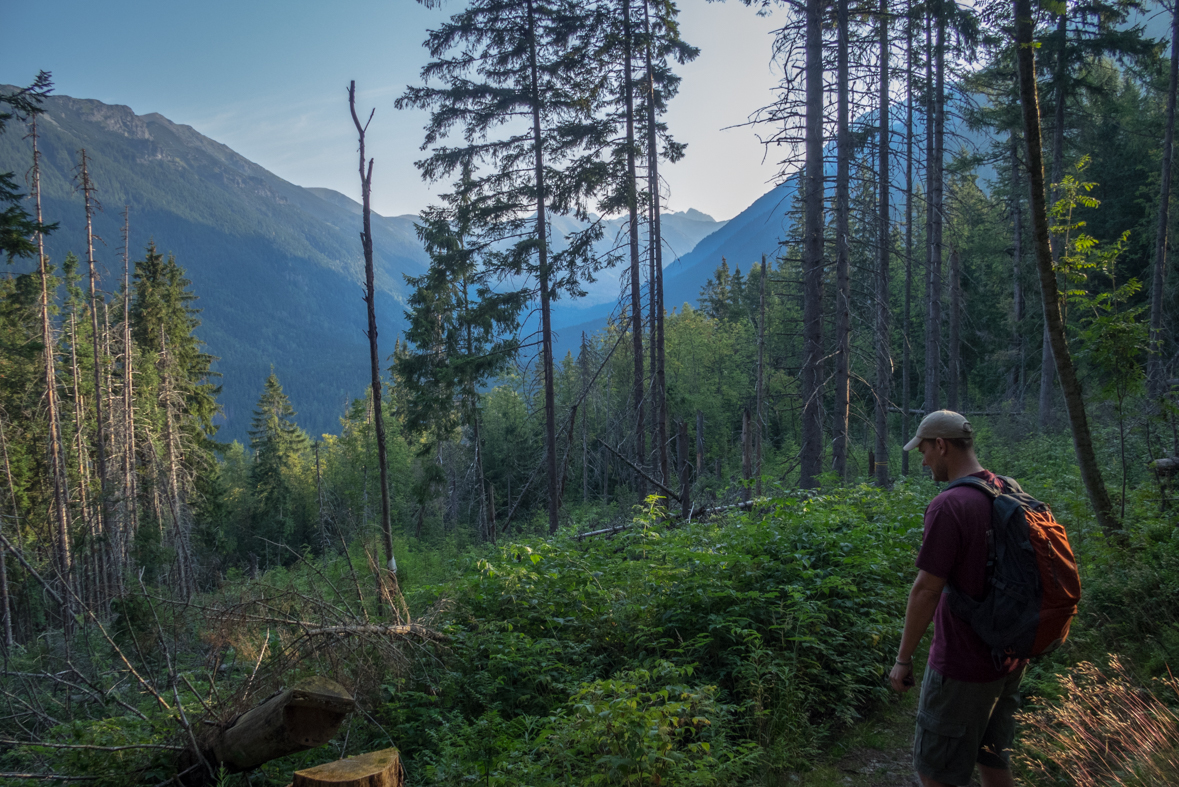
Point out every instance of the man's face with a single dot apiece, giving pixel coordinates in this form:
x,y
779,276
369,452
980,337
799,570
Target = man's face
x,y
934,459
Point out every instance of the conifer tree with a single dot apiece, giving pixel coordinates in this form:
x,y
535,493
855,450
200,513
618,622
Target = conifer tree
x,y
502,59
662,44
1156,365
180,392
843,142
276,441
462,333
811,450
882,334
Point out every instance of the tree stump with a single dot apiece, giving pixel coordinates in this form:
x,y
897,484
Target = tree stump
x,y
302,717
375,769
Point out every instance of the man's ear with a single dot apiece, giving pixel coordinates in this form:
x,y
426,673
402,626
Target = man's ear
x,y
942,446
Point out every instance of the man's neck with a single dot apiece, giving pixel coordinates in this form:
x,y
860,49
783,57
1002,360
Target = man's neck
x,y
966,466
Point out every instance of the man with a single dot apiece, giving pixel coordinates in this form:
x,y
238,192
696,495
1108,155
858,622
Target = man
x,y
965,715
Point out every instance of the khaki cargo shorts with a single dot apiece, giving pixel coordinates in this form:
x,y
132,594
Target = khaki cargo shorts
x,y
960,723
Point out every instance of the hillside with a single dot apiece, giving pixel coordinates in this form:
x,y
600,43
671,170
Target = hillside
x,y
277,267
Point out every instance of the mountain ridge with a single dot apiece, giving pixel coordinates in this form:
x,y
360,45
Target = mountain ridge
x,y
277,267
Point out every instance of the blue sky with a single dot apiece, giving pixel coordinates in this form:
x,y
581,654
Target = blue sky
x,y
269,79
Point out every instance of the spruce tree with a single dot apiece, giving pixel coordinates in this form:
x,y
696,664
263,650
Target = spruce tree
x,y
276,441
503,60
462,332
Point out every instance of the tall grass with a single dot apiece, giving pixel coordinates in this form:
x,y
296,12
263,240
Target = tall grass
x,y
1103,730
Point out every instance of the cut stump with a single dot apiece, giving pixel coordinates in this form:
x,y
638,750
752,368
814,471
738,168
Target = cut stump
x,y
375,769
302,717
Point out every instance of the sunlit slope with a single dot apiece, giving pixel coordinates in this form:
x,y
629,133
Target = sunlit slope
x,y
278,268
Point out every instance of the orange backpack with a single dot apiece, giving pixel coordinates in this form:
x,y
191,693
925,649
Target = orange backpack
x,y
1032,582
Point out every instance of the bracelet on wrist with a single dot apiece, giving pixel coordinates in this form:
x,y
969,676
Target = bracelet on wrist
x,y
908,663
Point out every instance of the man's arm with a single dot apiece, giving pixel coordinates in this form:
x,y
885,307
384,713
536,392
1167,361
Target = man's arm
x,y
923,601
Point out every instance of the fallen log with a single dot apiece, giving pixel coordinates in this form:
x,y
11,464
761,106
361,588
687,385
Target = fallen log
x,y
674,515
396,631
375,769
1166,466
305,716
673,495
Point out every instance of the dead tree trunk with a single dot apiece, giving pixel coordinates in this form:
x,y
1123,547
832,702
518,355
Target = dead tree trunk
x,y
60,504
319,499
366,242
1082,438
1016,380
5,601
811,451
842,251
659,392
1047,367
682,456
543,276
906,347
184,563
933,176
299,718
699,443
130,522
636,295
954,373
1156,364
102,509
583,369
746,452
883,349
374,769
759,427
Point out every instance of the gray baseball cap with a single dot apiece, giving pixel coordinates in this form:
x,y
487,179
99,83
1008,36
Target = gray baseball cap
x,y
941,423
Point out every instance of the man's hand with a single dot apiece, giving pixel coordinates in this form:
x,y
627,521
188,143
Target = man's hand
x,y
923,600
901,677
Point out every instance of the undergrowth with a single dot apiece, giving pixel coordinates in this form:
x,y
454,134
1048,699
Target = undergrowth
x,y
733,651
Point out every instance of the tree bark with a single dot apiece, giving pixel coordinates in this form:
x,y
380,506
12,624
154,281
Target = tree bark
x,y
1074,403
1156,362
746,452
699,443
682,457
103,507
842,251
5,601
933,292
1047,369
954,373
1017,372
906,347
636,294
299,718
130,522
811,453
659,389
584,369
883,345
57,462
546,323
759,426
366,242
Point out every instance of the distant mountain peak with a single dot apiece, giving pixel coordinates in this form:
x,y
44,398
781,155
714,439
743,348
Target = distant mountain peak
x,y
693,214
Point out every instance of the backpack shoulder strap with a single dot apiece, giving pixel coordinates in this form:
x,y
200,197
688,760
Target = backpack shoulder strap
x,y
1010,485
977,483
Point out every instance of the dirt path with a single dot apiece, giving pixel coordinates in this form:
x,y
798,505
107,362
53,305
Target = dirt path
x,y
876,752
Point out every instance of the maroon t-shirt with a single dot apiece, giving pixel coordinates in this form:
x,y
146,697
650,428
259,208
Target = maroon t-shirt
x,y
954,548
